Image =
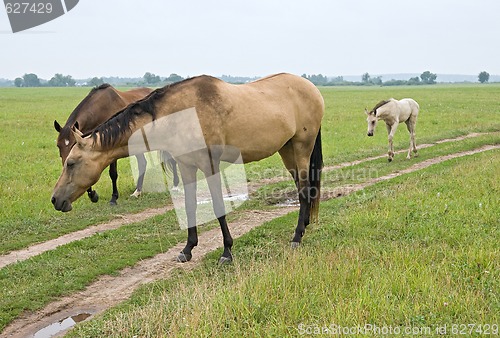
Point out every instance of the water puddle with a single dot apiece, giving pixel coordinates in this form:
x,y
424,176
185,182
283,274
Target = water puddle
x,y
66,323
288,203
230,198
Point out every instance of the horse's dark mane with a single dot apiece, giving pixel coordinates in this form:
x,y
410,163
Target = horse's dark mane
x,y
111,130
378,105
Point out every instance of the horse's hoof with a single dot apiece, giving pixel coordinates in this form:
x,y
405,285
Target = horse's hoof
x,y
94,197
295,245
183,258
136,193
225,260
176,189
389,159
113,203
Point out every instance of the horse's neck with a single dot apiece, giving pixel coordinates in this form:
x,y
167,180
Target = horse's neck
x,y
102,108
131,141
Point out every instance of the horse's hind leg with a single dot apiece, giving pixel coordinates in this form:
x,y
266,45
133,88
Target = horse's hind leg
x,y
411,123
173,163
288,156
141,166
113,174
301,157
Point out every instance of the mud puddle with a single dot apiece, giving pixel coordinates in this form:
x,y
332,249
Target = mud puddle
x,y
60,326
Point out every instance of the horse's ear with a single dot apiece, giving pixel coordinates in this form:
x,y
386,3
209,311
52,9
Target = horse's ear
x,y
78,136
366,111
77,126
57,126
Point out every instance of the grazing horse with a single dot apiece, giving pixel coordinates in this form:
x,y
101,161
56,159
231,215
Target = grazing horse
x,y
96,108
394,112
279,113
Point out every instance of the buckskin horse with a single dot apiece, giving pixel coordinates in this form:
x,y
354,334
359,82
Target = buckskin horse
x,y
97,107
279,113
394,112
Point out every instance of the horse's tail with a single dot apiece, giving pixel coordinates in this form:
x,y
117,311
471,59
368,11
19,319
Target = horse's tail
x,y
315,168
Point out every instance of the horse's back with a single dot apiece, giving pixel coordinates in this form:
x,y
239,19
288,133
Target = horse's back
x,y
261,116
412,104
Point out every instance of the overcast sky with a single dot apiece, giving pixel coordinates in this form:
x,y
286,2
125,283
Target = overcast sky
x,y
258,37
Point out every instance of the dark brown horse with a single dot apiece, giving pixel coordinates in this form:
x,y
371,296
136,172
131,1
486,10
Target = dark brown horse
x,y
201,122
96,108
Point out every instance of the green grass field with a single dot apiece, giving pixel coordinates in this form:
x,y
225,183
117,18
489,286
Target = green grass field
x,y
395,253
410,253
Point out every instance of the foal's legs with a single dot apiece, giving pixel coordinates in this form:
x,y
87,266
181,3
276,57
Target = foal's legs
x,y
410,124
391,130
113,174
141,166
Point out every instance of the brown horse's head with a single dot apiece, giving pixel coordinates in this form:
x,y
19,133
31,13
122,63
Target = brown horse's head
x,y
65,140
81,169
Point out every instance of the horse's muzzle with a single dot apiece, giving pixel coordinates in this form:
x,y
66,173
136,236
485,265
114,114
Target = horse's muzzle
x,y
61,205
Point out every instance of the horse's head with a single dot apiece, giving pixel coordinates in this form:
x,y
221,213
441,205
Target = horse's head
x,y
81,169
372,121
65,140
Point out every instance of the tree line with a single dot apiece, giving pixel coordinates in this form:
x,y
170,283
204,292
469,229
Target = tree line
x,y
425,78
60,80
150,79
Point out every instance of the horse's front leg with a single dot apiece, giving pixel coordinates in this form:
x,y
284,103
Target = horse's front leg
x,y
391,130
94,197
113,174
215,186
141,166
189,180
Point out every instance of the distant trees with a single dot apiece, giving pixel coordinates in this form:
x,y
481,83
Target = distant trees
x,y
18,82
483,77
368,80
96,81
151,79
318,80
365,78
32,80
414,80
428,77
28,80
60,80
174,78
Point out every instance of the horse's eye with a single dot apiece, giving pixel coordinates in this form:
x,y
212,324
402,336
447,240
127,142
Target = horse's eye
x,y
70,163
